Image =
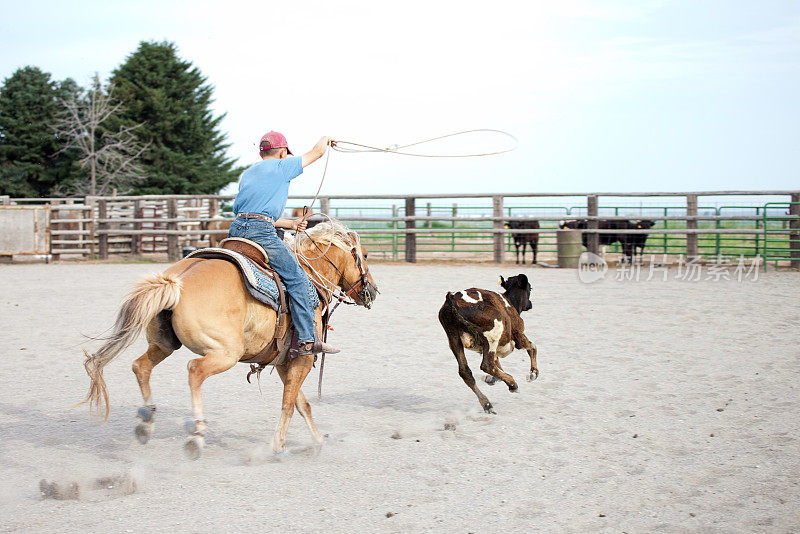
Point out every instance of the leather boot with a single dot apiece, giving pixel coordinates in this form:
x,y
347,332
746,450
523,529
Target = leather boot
x,y
315,347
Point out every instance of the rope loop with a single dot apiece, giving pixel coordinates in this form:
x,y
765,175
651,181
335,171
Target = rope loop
x,y
349,147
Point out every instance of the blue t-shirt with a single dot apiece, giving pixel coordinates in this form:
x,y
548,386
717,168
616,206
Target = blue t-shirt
x,y
264,187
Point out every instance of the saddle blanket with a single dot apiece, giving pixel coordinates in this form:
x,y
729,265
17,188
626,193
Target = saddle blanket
x,y
262,286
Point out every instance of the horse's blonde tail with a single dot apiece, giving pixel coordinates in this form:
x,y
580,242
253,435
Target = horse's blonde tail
x,y
147,299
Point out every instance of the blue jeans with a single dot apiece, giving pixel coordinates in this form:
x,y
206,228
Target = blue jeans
x,y
283,261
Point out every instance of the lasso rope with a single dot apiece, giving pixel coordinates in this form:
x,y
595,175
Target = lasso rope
x,y
343,146
349,147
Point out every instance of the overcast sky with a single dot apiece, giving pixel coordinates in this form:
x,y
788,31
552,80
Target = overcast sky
x,y
602,95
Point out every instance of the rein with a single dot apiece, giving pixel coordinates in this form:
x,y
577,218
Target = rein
x,y
333,290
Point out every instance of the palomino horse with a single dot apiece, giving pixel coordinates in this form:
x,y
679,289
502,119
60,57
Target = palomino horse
x,y
204,305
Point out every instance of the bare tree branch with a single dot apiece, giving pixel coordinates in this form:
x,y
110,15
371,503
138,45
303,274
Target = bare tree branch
x,y
111,158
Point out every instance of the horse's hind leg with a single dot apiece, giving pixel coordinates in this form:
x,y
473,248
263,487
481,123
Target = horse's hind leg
x,y
162,342
142,367
296,371
199,369
304,408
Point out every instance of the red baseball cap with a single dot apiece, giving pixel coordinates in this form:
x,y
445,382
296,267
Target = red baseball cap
x,y
274,140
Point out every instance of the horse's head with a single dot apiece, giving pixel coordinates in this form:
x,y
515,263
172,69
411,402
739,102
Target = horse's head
x,y
348,263
356,280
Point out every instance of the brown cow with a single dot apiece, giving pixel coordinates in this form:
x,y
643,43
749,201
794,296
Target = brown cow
x,y
485,322
300,212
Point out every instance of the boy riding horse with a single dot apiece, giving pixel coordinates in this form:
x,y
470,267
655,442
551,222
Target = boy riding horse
x,y
259,204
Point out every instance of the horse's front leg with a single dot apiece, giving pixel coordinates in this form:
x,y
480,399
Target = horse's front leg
x,y
295,372
304,408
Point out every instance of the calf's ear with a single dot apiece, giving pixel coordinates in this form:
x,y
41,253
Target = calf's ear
x,y
501,281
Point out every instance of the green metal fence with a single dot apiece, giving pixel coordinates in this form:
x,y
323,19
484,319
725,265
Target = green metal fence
x,y
778,247
769,217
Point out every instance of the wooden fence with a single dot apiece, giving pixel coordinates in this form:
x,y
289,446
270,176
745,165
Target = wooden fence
x,y
103,226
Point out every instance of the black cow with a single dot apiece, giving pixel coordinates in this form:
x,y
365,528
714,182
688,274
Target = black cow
x,y
637,241
629,242
525,239
485,322
603,239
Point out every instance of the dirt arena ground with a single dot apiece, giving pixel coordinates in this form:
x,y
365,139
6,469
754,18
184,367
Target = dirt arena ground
x,y
662,406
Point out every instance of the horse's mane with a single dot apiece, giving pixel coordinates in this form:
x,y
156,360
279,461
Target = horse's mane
x,y
332,233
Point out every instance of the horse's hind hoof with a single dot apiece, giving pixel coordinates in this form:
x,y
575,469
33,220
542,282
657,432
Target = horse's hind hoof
x,y
489,379
143,432
145,413
488,408
194,447
533,376
513,388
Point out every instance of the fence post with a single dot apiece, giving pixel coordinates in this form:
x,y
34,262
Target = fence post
x,y
497,211
394,226
453,225
5,200
325,205
55,213
794,237
136,239
193,214
691,239
411,238
173,248
592,239
428,224
102,213
90,202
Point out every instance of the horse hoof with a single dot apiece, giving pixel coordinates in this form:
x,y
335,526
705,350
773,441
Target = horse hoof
x,y
513,388
145,414
281,455
489,379
488,408
143,432
195,427
533,376
194,447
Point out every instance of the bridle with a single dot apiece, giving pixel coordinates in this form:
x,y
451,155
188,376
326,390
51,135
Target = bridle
x,y
362,269
333,289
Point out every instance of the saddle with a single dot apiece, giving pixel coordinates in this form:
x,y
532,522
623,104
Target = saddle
x,y
285,337
250,250
281,341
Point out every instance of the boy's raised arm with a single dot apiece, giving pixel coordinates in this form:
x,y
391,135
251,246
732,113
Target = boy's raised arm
x,y
315,153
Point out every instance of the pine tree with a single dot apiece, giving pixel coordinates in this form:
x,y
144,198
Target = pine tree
x,y
171,99
29,166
